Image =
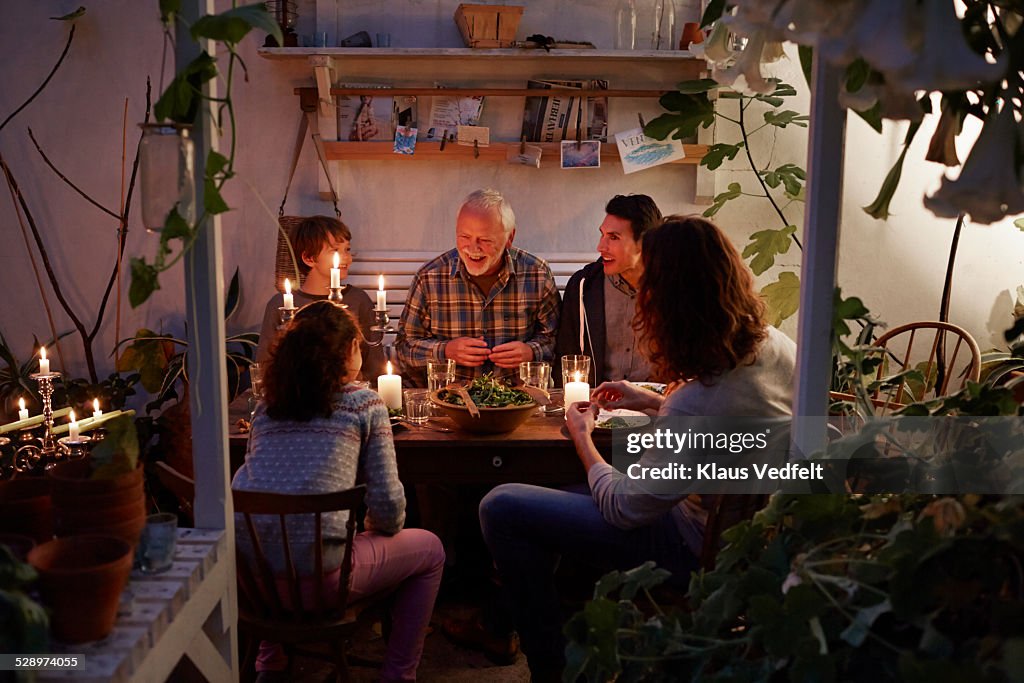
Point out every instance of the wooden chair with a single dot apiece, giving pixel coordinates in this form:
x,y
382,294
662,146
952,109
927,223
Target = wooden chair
x,y
270,606
946,353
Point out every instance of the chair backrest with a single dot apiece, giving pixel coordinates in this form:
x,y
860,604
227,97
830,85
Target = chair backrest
x,y
268,595
946,354
261,593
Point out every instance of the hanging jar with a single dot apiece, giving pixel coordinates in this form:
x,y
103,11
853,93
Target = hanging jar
x,y
663,25
166,174
625,25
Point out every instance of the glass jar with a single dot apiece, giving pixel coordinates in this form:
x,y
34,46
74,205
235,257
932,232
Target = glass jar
x,y
166,174
625,25
663,25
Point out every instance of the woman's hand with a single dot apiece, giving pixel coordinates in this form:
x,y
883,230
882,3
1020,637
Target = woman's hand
x,y
580,419
612,395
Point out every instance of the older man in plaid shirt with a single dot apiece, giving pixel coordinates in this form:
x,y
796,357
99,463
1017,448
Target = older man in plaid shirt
x,y
485,304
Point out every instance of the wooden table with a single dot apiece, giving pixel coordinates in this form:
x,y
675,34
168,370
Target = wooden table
x,y
538,452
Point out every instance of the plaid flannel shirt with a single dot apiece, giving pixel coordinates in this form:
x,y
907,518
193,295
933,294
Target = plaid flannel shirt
x,y
444,303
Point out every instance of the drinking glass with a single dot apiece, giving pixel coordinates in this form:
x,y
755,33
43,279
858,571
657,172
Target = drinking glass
x,y
256,375
571,365
440,373
158,543
417,405
536,374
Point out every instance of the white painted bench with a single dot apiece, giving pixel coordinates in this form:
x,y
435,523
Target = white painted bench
x,y
398,268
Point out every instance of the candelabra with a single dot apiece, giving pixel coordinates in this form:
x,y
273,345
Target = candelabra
x,y
336,296
285,316
380,326
33,451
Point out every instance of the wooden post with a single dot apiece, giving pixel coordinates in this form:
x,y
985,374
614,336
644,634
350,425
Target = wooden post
x,y
204,297
818,268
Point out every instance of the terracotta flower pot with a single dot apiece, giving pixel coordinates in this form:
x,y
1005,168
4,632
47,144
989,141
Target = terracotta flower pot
x,y
114,506
81,579
26,508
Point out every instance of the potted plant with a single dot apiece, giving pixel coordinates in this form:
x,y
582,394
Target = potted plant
x,y
102,493
24,625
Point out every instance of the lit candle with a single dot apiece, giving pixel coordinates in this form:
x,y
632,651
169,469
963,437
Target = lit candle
x,y
389,387
44,362
336,272
576,391
289,299
72,427
96,412
22,410
382,296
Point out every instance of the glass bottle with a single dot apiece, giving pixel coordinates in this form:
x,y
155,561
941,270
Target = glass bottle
x,y
625,25
663,35
166,174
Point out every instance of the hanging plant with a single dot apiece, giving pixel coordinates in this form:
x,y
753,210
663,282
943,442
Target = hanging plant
x,y
181,104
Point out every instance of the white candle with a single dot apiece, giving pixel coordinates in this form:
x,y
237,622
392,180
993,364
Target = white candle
x,y
22,410
289,299
72,427
44,362
382,296
389,387
576,391
336,272
96,412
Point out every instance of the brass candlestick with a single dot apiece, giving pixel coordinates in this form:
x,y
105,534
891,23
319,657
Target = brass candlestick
x,y
34,451
380,326
336,296
285,316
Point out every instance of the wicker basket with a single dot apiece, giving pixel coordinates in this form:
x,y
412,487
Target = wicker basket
x,y
488,26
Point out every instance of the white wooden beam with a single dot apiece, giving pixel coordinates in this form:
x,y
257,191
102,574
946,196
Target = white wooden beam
x,y
204,304
818,269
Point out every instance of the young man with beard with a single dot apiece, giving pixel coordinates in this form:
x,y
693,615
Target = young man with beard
x,y
602,296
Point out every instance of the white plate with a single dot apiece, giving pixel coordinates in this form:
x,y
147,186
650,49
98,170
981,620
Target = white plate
x,y
656,387
632,418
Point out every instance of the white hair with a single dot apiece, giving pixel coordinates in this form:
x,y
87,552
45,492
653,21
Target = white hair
x,y
492,200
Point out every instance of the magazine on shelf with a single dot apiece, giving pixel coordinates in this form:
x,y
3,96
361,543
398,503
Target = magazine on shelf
x,y
365,118
551,118
447,113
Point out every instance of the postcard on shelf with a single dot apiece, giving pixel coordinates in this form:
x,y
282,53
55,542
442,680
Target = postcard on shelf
x,y
637,151
405,110
586,154
364,118
405,140
448,113
527,155
550,118
470,135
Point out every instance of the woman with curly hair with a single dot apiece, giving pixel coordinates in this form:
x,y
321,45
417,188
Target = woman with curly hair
x,y
312,433
703,324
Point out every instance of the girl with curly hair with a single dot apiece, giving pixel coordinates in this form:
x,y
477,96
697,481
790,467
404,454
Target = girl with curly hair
x,y
313,433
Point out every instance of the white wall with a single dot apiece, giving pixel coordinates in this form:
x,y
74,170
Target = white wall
x,y
895,266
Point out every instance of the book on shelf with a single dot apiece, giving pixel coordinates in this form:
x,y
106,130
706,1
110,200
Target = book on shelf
x,y
366,118
551,118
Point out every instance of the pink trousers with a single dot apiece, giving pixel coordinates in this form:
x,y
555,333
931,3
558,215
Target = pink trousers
x,y
410,562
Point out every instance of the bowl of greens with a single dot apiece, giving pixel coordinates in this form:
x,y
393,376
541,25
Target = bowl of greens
x,y
502,408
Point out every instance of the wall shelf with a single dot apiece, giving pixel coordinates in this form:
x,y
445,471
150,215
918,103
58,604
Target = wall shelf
x,y
496,151
679,57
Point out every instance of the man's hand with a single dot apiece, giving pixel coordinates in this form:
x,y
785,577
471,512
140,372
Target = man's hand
x,y
511,354
468,351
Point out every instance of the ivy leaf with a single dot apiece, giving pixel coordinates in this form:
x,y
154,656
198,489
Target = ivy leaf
x,y
785,118
846,309
233,25
180,101
765,245
175,227
733,192
719,152
781,297
215,163
168,10
148,354
213,202
73,15
144,282
690,113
